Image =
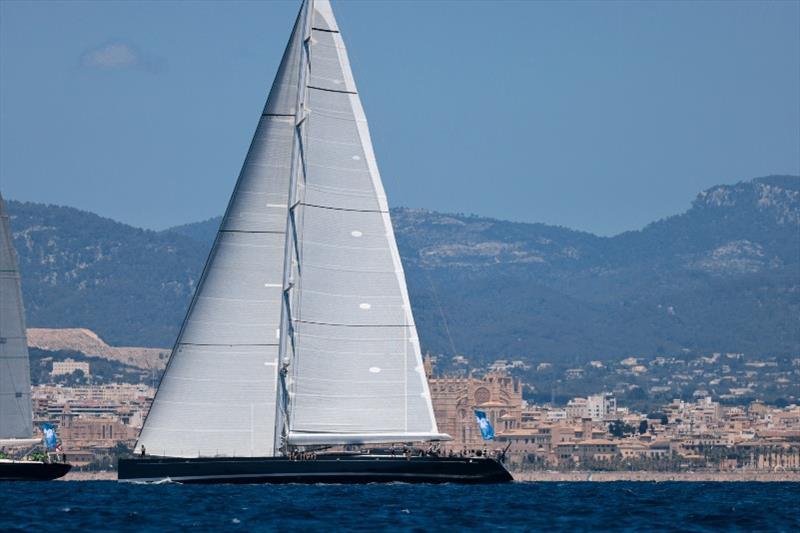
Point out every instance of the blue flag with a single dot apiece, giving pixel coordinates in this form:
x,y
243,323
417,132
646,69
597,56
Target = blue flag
x,y
487,431
49,436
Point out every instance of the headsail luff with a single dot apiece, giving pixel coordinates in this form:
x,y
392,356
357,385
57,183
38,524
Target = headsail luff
x,y
16,414
218,393
355,372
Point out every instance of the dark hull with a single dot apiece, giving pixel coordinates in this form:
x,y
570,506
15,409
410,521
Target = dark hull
x,y
333,468
32,471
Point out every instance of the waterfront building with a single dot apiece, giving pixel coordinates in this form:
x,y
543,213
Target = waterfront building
x,y
456,398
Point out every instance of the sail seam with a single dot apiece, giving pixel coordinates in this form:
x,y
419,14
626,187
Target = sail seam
x,y
249,231
337,268
331,90
222,344
343,208
313,322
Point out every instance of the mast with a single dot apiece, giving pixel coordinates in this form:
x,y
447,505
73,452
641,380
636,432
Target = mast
x,y
291,254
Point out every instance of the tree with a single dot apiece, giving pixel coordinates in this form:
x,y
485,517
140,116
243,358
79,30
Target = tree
x,y
619,429
643,426
121,449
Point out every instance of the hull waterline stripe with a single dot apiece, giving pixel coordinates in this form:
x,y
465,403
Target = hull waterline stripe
x,y
307,474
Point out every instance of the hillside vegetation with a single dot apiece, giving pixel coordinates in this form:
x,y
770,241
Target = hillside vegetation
x,y
723,276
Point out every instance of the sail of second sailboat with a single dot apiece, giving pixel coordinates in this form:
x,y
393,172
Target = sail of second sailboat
x,y
16,412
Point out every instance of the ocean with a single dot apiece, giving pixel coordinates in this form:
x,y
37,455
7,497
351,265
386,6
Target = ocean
x,y
621,506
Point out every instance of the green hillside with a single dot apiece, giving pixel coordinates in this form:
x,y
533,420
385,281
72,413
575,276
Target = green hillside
x,y
723,276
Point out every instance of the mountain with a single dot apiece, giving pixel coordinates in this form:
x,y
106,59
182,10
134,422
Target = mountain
x,y
80,270
723,276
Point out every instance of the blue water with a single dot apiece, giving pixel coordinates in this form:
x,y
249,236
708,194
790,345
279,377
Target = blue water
x,y
75,506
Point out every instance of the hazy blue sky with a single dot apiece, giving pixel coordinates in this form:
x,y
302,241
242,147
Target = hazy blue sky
x,y
597,116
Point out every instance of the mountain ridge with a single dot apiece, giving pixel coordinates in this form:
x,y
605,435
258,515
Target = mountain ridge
x,y
722,276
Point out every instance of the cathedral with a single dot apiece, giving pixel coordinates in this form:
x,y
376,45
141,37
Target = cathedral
x,y
456,398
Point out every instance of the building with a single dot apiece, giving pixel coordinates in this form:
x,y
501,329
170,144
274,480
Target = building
x,y
597,407
83,432
595,450
456,398
601,406
68,366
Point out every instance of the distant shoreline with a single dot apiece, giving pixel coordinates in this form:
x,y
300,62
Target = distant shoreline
x,y
90,476
573,476
656,476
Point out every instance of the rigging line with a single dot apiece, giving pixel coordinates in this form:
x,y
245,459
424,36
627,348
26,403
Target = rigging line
x,y
441,312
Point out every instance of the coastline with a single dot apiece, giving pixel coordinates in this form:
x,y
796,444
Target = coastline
x,y
735,476
107,475
551,476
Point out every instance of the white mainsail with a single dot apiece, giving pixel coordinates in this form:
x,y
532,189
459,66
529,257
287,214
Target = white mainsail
x,y
300,331
16,414
355,368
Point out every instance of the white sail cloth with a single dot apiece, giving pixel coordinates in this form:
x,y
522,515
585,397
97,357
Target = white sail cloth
x,y
356,368
218,393
16,415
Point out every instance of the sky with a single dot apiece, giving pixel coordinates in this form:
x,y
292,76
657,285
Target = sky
x,y
598,116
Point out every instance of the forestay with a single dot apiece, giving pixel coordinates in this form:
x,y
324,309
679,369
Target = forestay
x,y
16,416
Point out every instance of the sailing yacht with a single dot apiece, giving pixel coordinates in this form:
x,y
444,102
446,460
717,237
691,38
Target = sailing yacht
x,y
16,412
300,336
